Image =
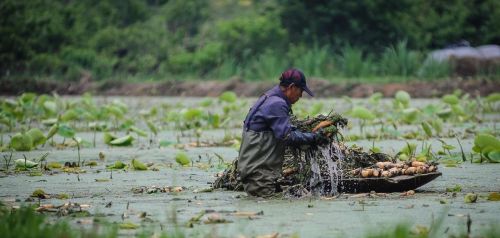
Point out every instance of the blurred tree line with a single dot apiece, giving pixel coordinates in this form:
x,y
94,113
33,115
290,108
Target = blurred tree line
x,y
254,39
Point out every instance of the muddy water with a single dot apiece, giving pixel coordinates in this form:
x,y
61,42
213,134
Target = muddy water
x,y
347,215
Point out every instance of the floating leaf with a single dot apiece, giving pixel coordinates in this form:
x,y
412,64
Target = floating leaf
x,y
228,97
139,131
152,127
486,140
427,129
450,99
165,143
122,141
128,226
470,198
28,164
192,114
138,165
494,156
66,131
494,97
456,188
108,137
119,165
37,136
402,97
410,115
52,131
182,159
362,113
69,115
21,142
494,196
50,106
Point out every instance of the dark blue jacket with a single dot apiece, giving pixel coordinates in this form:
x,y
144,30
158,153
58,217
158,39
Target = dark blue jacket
x,y
271,112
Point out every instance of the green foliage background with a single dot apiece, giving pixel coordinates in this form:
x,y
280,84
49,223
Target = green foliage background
x,y
220,39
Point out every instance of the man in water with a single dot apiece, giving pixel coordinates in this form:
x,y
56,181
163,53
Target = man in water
x,y
266,132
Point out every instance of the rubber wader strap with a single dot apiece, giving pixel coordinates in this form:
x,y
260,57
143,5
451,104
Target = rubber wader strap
x,y
253,111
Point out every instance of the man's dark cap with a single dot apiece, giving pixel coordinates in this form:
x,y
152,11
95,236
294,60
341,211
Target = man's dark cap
x,y
296,77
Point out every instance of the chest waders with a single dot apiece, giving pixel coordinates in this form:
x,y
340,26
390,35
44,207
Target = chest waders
x,y
260,159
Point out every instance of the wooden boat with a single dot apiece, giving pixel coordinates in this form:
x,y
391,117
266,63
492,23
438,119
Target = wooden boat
x,y
385,185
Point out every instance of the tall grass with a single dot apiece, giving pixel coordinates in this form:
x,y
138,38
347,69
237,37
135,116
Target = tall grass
x,y
399,60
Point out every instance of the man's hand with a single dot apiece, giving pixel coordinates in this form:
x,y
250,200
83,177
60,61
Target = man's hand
x,y
320,137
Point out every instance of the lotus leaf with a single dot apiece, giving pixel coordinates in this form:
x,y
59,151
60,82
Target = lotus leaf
x,y
192,114
66,131
450,99
28,164
37,136
427,129
375,98
494,156
26,98
470,198
122,141
228,97
409,148
139,131
138,165
182,159
70,115
410,115
362,113
52,131
206,103
494,97
128,226
402,97
437,124
108,137
119,165
21,142
444,113
49,121
484,140
152,127
50,106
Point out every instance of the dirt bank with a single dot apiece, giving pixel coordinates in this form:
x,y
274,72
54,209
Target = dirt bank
x,y
322,88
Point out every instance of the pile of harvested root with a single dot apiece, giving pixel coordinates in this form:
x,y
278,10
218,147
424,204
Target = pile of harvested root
x,y
389,169
319,169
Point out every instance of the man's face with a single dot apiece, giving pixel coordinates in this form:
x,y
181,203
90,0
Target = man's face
x,y
293,93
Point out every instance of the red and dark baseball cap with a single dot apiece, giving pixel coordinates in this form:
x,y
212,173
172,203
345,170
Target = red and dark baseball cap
x,y
296,77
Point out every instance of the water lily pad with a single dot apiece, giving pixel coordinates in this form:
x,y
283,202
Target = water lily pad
x,y
470,198
50,106
65,131
139,131
182,159
228,97
108,137
484,140
494,156
450,99
138,165
21,142
28,164
37,136
427,129
402,97
122,141
362,113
